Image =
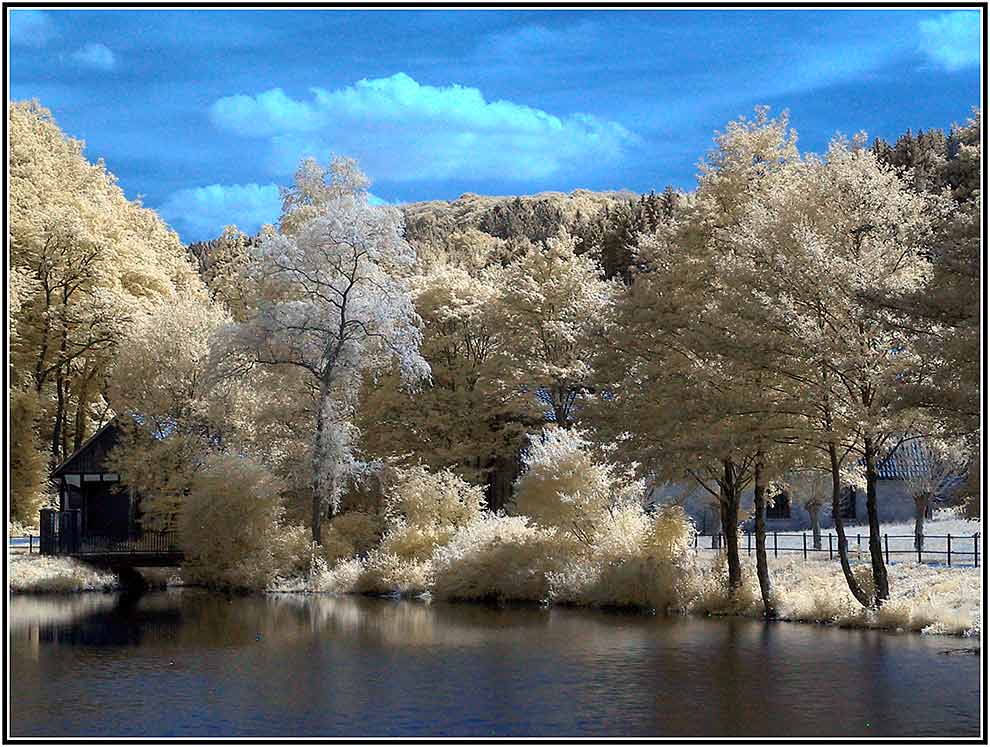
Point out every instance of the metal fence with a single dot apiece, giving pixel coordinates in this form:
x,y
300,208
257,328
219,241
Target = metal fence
x,y
959,549
27,542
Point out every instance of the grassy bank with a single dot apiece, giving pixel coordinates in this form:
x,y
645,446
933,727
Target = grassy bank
x,y
39,574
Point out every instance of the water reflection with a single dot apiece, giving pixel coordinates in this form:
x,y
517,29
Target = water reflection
x,y
188,662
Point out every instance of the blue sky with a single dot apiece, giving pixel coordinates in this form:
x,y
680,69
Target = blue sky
x,y
204,113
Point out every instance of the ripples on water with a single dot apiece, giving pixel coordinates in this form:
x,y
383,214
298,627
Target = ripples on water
x,y
193,663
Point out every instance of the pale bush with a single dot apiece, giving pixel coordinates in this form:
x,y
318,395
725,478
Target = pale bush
x,y
291,547
43,574
499,558
415,542
713,596
17,529
350,533
317,577
636,561
378,573
442,499
932,600
564,486
230,526
387,573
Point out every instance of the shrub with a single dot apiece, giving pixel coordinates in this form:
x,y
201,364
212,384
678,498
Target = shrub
x,y
350,533
564,486
37,574
230,527
425,499
387,573
415,542
636,561
499,558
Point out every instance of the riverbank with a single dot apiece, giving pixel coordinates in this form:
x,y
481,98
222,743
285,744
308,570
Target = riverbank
x,y
39,574
926,599
932,600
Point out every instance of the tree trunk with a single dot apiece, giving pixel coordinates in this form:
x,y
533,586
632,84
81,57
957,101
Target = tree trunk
x,y
717,526
319,484
82,405
730,524
814,512
39,366
560,414
882,590
58,437
759,508
919,523
59,419
854,587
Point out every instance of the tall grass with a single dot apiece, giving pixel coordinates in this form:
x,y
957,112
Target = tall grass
x,y
37,574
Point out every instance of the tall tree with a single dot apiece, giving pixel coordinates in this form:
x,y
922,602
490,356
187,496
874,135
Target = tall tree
x,y
335,302
552,301
832,231
468,420
675,394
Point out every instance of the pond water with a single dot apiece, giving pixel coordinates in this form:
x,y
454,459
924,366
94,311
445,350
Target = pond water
x,y
192,663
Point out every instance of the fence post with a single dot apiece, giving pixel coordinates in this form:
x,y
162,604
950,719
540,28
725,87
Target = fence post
x,y
948,548
775,544
749,543
886,546
919,550
804,544
830,547
857,546
976,549
30,544
695,544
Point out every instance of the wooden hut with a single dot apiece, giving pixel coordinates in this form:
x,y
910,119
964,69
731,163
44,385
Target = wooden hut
x,y
99,520
87,484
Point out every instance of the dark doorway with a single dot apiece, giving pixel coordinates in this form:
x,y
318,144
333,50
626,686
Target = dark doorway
x,y
107,511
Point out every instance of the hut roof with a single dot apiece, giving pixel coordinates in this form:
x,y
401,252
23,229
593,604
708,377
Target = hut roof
x,y
91,456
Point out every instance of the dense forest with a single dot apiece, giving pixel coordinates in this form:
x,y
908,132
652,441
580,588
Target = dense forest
x,y
402,386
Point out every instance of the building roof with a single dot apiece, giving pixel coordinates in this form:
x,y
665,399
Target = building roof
x,y
907,461
91,456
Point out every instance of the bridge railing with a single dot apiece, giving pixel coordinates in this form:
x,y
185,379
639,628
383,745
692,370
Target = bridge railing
x,y
146,542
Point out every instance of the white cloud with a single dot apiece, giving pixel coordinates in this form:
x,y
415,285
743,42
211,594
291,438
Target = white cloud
x,y
30,28
95,56
200,213
400,129
952,40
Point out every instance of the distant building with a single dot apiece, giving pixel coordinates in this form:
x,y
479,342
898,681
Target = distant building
x,y
894,504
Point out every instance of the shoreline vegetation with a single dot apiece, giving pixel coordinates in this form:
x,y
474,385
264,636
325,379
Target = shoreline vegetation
x,y
931,600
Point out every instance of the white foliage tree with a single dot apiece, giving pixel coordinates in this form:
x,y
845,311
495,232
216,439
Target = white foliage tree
x,y
335,301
